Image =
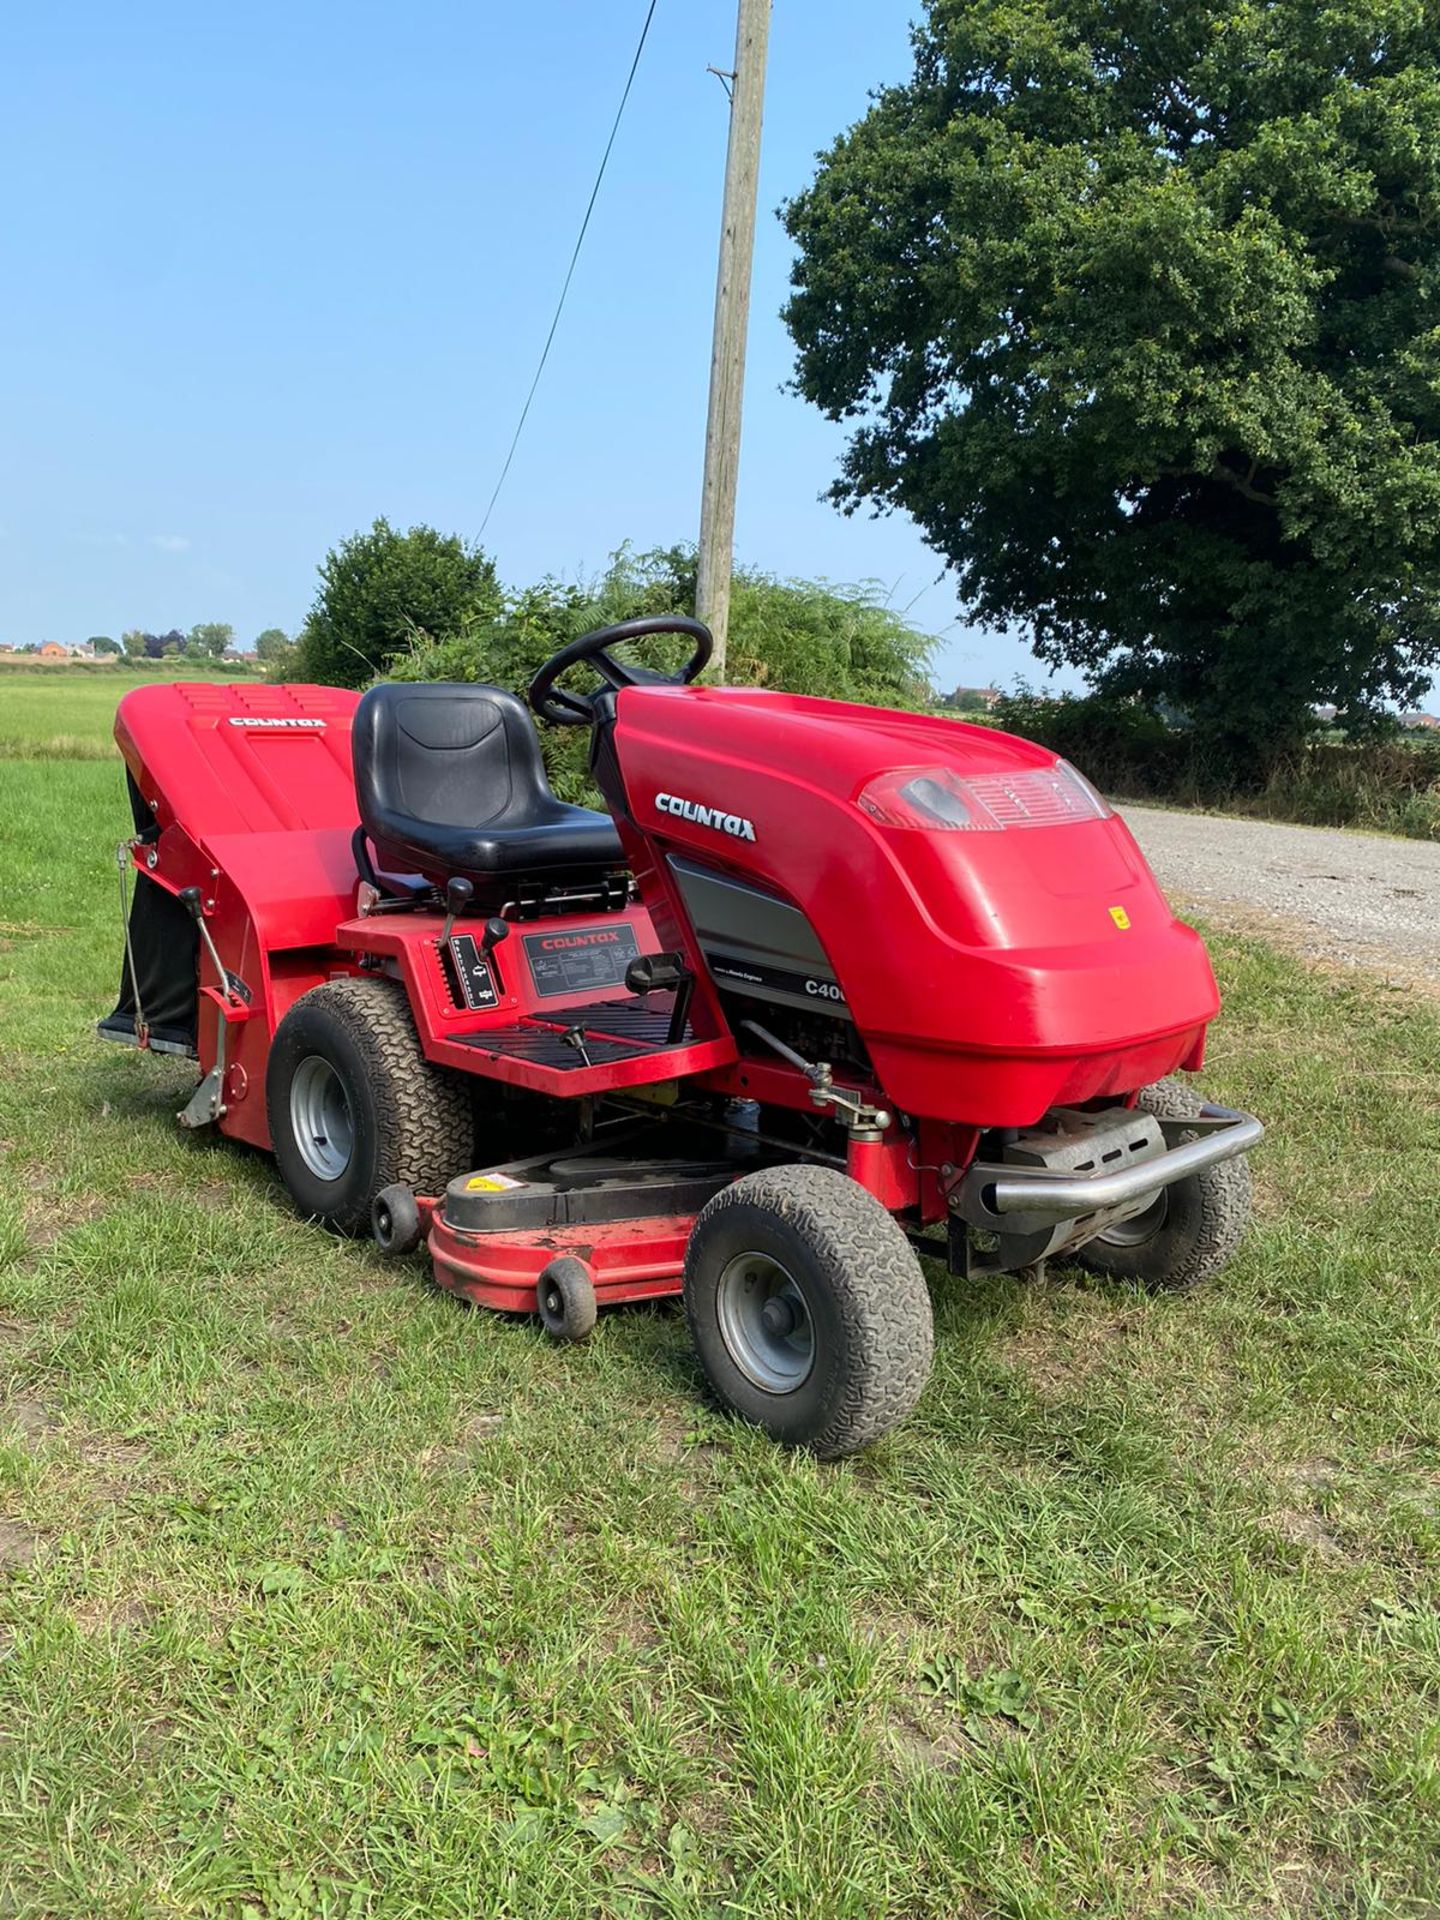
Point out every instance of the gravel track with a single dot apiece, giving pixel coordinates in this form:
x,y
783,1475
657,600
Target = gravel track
x,y
1359,898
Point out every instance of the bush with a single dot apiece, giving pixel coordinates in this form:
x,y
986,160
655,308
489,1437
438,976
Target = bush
x,y
1122,746
1390,785
378,589
799,636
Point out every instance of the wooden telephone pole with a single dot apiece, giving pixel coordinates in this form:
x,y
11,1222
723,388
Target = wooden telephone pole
x,y
732,317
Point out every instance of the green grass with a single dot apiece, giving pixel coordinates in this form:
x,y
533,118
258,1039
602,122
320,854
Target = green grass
x,y
68,713
322,1596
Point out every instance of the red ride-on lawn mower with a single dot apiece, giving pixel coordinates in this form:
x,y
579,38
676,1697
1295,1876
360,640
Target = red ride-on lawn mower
x,y
830,983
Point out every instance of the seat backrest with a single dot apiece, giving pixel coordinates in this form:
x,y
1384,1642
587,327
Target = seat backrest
x,y
451,755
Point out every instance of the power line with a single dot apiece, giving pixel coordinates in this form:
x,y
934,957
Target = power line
x,y
574,260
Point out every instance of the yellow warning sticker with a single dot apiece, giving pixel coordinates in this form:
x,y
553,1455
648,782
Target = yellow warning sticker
x,y
1121,918
492,1183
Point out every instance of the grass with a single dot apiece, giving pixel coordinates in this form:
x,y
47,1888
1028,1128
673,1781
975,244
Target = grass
x,y
1393,787
68,713
322,1596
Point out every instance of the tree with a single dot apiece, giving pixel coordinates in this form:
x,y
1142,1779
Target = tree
x,y
273,644
140,645
102,643
210,637
379,588
1136,309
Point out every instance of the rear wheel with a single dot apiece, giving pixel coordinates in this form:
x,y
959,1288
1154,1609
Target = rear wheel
x,y
355,1107
808,1309
1190,1230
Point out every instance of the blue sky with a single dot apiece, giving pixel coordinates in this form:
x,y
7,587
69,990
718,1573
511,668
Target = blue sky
x,y
271,271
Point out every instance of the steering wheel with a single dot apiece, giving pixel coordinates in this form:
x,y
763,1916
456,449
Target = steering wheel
x,y
565,709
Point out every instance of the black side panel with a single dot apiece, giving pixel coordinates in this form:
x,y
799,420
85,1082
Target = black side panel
x,y
165,943
756,943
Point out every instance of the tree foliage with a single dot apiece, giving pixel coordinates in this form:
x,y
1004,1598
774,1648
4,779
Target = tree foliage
x,y
378,588
102,643
210,637
1136,309
140,645
274,647
801,636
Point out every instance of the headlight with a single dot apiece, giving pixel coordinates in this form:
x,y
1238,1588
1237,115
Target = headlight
x,y
939,800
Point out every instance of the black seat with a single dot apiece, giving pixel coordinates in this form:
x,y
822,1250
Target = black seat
x,y
450,781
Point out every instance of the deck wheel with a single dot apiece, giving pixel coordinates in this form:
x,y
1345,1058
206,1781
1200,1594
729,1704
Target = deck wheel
x,y
395,1220
565,1299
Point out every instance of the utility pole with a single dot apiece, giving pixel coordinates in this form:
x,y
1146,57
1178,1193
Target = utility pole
x,y
732,318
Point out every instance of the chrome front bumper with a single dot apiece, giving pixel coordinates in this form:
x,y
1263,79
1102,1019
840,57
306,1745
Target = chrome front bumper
x,y
992,1191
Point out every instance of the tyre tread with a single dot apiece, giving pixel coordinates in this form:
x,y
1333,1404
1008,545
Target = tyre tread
x,y
424,1120
1225,1203
882,1299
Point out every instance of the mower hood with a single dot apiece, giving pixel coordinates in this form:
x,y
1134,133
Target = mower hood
x,y
996,933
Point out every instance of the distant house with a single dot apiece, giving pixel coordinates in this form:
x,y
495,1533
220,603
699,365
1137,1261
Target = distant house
x,y
237,658
1420,722
52,650
974,699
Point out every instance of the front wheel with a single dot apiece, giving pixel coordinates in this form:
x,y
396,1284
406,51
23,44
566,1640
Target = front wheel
x,y
1190,1230
808,1309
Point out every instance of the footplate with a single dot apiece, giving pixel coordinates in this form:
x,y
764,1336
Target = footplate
x,y
594,1048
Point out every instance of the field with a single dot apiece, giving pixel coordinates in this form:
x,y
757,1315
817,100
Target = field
x,y
322,1596
66,713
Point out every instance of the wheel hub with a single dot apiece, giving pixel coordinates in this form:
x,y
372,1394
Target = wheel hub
x,y
320,1118
1141,1227
778,1317
765,1323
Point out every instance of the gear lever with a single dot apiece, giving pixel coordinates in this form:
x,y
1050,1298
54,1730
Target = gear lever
x,y
459,892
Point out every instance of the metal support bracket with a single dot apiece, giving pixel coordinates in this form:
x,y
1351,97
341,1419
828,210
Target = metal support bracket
x,y
206,1105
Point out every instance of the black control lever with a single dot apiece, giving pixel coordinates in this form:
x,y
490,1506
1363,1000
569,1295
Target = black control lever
x,y
459,892
496,931
664,973
193,901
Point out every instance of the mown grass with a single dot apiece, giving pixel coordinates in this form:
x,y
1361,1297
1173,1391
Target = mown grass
x,y
68,712
322,1596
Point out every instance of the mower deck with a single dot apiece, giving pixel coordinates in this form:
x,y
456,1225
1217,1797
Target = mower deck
x,y
625,1217
628,1260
